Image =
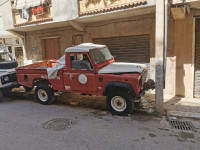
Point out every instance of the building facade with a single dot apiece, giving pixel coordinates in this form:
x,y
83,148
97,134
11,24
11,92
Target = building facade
x,y
12,42
126,26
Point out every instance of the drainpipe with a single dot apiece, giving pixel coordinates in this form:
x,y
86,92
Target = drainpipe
x,y
165,42
25,41
24,49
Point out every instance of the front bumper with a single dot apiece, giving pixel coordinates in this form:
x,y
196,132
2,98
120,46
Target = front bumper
x,y
150,84
11,83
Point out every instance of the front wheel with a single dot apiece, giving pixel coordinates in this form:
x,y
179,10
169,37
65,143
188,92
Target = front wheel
x,y
119,102
44,94
1,95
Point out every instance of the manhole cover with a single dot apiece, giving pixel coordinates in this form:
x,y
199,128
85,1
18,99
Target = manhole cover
x,y
182,125
58,124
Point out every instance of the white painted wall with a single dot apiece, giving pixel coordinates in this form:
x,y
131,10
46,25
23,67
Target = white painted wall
x,y
5,9
3,33
63,10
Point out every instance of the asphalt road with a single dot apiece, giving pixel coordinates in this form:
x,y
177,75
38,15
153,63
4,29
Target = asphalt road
x,y
27,125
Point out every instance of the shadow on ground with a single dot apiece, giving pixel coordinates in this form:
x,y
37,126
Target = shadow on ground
x,y
77,100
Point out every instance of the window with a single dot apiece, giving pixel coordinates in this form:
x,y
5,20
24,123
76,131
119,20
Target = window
x,y
80,62
100,55
4,56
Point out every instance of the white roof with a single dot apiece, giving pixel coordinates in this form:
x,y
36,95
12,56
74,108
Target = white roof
x,y
85,47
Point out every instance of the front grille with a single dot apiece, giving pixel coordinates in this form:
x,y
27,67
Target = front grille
x,y
144,76
12,78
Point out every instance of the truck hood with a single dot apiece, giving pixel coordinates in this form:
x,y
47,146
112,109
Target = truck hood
x,y
123,68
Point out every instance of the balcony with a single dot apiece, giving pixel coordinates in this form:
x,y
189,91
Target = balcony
x,y
87,7
31,12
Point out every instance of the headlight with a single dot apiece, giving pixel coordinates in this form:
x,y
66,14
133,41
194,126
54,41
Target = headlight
x,y
6,78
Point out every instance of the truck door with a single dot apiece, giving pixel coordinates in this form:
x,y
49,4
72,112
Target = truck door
x,y
82,76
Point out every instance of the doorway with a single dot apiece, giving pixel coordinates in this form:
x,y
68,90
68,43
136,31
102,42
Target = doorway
x,y
19,56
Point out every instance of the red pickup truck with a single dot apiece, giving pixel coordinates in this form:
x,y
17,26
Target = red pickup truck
x,y
88,69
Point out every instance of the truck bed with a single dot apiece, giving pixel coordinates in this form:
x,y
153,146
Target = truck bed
x,y
27,75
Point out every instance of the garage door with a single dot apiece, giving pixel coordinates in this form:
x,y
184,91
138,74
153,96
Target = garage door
x,y
197,61
128,48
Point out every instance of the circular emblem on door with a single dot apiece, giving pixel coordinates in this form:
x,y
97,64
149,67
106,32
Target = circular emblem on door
x,y
82,79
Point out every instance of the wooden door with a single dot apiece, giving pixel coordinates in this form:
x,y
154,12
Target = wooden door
x,y
52,48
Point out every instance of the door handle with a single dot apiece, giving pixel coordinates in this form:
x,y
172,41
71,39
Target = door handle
x,y
71,76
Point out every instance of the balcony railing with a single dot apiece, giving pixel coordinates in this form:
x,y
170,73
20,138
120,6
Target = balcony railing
x,y
96,6
29,12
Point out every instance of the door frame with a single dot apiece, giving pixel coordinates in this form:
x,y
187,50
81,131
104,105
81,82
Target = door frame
x,y
43,44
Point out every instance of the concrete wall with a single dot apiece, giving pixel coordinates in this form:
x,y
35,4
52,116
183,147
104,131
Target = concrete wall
x,y
63,10
116,28
184,48
6,12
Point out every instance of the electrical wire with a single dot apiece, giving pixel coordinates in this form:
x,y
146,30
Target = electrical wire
x,y
4,3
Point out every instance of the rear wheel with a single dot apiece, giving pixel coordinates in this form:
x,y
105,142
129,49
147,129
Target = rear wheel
x,y
119,102
44,94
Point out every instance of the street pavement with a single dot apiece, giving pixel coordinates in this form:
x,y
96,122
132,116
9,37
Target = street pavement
x,y
28,125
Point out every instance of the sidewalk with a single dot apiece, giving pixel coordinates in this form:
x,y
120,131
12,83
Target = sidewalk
x,y
183,107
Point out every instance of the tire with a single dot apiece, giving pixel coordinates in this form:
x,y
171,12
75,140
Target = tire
x,y
8,64
1,95
44,94
119,102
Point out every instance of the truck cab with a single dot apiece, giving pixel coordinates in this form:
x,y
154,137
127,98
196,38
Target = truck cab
x,y
88,69
8,77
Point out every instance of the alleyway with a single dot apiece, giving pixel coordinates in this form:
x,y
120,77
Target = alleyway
x,y
25,124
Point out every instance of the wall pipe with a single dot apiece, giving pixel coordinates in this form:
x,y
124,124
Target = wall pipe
x,y
165,42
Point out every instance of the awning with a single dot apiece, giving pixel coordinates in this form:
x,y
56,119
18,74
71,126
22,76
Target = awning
x,y
20,4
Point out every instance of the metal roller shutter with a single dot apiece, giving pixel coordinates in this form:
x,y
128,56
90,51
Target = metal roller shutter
x,y
197,61
128,48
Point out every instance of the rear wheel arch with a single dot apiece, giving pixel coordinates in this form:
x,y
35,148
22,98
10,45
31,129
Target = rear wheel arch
x,y
41,81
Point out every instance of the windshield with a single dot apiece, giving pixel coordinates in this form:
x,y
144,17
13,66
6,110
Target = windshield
x,y
100,55
5,57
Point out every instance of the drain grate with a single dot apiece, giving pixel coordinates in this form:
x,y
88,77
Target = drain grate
x,y
182,125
